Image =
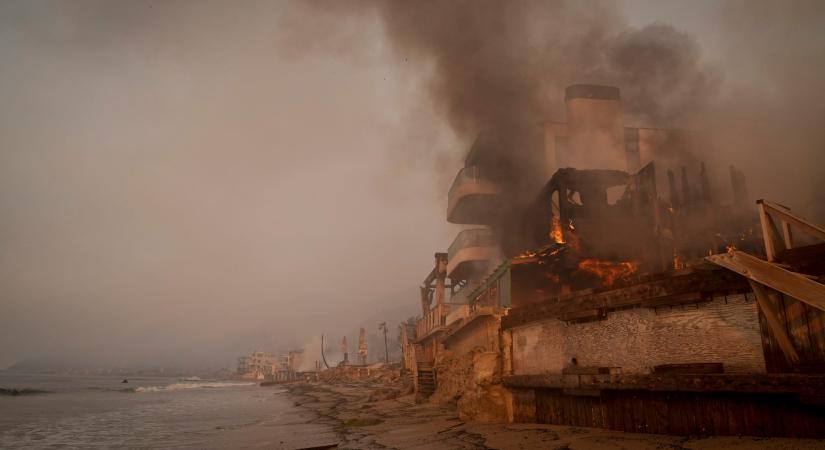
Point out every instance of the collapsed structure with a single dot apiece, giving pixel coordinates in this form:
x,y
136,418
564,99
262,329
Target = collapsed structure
x,y
616,296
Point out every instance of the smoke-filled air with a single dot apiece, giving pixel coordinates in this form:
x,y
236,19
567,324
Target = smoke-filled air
x,y
184,182
457,224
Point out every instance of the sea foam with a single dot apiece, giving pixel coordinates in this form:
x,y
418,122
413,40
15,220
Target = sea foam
x,y
197,385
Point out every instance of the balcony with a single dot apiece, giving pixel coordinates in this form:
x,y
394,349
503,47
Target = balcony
x,y
472,198
457,313
471,253
436,318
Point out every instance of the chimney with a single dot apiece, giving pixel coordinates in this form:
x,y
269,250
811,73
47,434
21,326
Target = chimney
x,y
595,128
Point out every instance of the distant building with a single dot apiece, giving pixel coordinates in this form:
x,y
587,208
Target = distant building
x,y
257,366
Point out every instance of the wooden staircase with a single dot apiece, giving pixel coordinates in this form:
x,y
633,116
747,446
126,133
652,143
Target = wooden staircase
x,y
426,379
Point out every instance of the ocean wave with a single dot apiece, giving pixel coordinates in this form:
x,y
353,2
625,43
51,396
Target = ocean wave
x,y
24,391
181,386
109,389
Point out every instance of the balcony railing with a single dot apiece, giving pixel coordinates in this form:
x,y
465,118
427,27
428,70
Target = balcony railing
x,y
466,174
466,197
435,317
457,313
475,237
471,254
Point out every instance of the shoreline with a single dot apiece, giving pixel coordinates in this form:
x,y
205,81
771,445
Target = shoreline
x,y
366,415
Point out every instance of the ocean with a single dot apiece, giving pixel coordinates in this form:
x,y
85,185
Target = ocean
x,y
97,412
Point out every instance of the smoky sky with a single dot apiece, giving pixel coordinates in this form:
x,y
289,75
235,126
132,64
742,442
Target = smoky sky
x,y
182,182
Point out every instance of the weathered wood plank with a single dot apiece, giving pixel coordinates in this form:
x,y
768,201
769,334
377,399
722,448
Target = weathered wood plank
x,y
674,288
784,213
816,326
787,234
591,370
801,384
787,282
689,368
685,413
796,313
771,307
768,233
775,360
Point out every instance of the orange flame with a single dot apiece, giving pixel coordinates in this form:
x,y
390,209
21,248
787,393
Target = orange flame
x,y
526,254
608,271
555,231
677,260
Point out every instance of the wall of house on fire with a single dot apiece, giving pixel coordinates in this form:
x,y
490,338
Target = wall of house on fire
x,y
725,329
595,135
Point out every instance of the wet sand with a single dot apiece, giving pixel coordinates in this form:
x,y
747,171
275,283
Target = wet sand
x,y
362,423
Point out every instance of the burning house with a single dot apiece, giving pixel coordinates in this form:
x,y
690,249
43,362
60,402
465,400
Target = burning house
x,y
620,292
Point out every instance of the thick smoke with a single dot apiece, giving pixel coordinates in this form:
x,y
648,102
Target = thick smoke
x,y
500,70
769,120
501,67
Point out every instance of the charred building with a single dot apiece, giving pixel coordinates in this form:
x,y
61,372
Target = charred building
x,y
605,280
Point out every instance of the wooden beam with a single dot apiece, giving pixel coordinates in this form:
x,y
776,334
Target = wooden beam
x,y
688,368
785,214
802,384
769,304
789,283
673,288
767,232
787,234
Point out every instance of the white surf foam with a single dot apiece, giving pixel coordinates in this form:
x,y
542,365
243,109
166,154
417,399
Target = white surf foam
x,y
198,385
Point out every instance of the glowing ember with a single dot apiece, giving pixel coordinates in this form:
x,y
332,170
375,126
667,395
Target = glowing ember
x,y
526,254
555,231
608,271
677,260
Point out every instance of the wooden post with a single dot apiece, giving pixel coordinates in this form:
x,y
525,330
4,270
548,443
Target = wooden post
x,y
787,234
767,232
768,300
441,276
786,214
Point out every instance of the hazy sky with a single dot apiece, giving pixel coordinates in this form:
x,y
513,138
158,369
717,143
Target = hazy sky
x,y
186,181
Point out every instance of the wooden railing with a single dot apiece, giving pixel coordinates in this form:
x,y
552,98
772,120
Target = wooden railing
x,y
457,312
783,294
774,242
436,317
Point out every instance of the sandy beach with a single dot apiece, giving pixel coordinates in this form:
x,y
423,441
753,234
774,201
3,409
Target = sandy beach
x,y
366,416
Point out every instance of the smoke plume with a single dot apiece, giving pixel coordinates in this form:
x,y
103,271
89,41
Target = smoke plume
x,y
501,68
